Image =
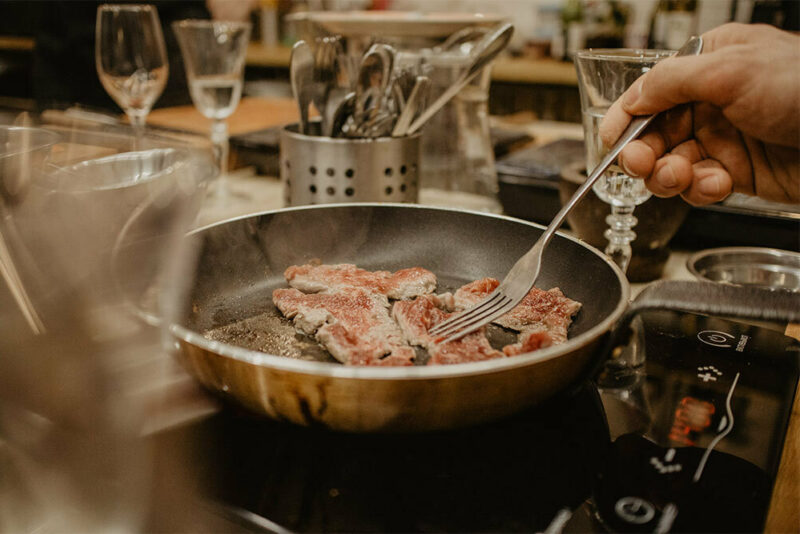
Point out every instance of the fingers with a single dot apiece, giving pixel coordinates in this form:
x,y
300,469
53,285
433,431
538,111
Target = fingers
x,y
613,124
673,173
671,176
669,130
684,171
711,183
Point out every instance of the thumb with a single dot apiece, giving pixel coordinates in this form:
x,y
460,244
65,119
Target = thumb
x,y
679,80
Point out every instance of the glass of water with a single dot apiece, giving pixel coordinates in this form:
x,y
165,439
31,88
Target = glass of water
x,y
603,75
214,55
131,58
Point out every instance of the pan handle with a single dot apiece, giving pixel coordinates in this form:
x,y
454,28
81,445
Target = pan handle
x,y
693,297
717,299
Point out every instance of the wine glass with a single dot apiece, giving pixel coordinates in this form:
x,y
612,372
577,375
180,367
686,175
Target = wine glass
x,y
213,54
603,75
131,58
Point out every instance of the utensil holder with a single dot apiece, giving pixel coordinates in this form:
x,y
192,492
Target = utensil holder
x,y
324,170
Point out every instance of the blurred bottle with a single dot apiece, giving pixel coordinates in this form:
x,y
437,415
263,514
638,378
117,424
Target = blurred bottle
x,y
673,22
268,19
572,20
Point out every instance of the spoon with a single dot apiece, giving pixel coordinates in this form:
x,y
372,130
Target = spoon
x,y
416,97
372,82
301,74
342,112
324,78
485,51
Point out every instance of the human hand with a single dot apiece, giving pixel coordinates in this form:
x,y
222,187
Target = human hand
x,y
731,119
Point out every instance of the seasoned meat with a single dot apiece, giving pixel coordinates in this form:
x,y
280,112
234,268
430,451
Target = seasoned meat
x,y
529,341
347,310
353,324
540,310
417,316
403,284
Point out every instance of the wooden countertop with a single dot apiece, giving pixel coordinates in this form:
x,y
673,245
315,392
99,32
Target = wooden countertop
x,y
251,114
504,69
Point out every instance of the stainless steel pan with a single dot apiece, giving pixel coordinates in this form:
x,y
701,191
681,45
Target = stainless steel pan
x,y
242,260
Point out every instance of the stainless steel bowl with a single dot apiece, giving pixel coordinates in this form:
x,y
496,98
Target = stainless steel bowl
x,y
749,266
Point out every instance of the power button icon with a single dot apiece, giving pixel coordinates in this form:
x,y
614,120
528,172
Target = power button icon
x,y
634,510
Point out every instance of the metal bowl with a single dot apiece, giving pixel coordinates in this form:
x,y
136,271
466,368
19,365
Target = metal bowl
x,y
748,266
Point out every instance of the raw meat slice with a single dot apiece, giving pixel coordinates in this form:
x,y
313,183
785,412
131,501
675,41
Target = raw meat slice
x,y
416,317
403,284
353,324
539,310
529,342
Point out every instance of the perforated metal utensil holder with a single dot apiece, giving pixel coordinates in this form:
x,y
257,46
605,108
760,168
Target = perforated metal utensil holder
x,y
324,170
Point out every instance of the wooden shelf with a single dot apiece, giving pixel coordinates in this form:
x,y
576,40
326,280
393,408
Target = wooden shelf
x,y
510,70
8,42
259,55
534,71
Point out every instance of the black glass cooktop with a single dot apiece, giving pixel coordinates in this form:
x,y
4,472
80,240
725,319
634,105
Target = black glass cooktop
x,y
693,445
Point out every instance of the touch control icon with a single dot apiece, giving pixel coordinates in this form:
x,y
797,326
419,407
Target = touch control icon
x,y
666,466
635,510
715,338
708,373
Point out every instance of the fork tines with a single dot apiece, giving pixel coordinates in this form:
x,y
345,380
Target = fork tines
x,y
493,306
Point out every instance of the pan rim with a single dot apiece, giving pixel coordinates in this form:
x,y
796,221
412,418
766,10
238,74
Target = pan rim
x,y
339,371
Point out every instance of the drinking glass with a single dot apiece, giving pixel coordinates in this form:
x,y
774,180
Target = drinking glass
x,y
131,58
603,75
213,54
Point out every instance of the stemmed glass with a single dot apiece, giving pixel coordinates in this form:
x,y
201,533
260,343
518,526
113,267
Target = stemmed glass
x,y
603,75
131,58
213,54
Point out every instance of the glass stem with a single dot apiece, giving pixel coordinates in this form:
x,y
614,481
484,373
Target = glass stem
x,y
620,234
219,138
138,118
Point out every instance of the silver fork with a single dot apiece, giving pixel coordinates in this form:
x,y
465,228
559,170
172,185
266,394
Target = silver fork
x,y
523,274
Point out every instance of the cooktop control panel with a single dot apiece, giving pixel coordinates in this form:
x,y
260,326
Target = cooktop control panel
x,y
701,451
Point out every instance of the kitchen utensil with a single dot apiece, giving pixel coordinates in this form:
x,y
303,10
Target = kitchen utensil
x,y
324,77
343,111
468,35
242,261
485,51
374,77
523,274
748,266
316,169
301,74
417,96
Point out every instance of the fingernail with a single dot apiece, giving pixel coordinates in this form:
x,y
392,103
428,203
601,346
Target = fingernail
x,y
709,187
666,177
632,94
626,170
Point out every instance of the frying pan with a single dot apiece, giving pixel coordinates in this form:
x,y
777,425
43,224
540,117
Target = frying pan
x,y
241,261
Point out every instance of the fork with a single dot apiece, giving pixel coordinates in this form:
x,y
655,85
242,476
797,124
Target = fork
x,y
520,279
